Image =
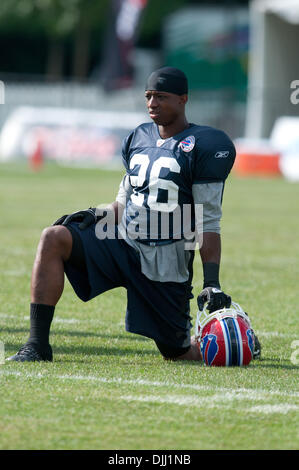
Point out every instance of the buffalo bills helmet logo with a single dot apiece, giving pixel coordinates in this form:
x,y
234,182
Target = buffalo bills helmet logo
x,y
209,348
250,340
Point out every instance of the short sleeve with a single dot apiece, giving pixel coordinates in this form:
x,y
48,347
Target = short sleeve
x,y
210,196
214,157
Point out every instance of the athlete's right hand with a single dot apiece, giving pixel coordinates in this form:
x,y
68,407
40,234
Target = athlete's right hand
x,y
215,297
85,217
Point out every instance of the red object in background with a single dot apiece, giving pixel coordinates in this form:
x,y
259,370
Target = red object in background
x,y
255,163
36,159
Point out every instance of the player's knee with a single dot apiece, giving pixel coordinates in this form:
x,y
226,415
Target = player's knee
x,y
56,238
170,353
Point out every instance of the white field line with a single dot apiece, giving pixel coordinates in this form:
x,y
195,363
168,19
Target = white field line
x,y
270,409
57,319
228,393
276,334
211,402
225,398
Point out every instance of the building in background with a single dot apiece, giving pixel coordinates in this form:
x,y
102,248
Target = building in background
x,y
241,64
211,44
274,64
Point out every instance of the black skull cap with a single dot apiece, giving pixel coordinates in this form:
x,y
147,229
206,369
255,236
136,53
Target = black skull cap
x,y
168,79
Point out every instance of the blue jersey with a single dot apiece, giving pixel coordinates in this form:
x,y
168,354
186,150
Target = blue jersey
x,y
162,172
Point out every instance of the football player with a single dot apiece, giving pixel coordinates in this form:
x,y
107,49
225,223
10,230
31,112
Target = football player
x,y
171,165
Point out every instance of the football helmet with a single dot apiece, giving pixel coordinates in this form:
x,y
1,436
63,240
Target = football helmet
x,y
225,337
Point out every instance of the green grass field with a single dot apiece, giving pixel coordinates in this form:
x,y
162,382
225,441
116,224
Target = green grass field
x,y
108,389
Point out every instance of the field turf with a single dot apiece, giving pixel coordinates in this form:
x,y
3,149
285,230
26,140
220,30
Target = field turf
x,y
109,389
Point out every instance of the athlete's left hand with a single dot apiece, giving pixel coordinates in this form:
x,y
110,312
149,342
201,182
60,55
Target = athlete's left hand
x,y
215,297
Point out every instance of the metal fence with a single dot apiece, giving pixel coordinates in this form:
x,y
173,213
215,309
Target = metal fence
x,y
225,110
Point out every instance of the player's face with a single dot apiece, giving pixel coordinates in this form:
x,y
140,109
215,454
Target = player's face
x,y
165,108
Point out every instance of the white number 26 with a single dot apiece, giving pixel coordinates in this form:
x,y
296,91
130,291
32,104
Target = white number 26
x,y
155,182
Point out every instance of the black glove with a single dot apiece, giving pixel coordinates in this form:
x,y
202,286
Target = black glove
x,y
86,217
215,297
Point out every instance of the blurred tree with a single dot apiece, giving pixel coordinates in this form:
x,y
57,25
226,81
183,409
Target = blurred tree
x,y
152,22
52,28
76,18
57,20
92,16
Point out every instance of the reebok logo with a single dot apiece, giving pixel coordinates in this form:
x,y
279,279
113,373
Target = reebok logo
x,y
222,154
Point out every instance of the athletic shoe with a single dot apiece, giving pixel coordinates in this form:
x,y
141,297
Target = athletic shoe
x,y
30,353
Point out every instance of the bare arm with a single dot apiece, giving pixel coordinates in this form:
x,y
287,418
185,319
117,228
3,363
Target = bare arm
x,y
211,248
210,253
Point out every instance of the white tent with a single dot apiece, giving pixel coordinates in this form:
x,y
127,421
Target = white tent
x,y
273,64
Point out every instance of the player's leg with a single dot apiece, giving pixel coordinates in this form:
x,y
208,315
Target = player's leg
x,y
190,353
47,283
193,353
161,311
91,266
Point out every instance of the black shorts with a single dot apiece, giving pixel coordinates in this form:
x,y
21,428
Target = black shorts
x,y
158,310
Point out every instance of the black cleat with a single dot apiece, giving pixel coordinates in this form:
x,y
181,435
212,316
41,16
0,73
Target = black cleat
x,y
30,353
257,347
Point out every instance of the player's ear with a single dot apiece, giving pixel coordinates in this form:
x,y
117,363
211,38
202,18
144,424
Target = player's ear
x,y
184,99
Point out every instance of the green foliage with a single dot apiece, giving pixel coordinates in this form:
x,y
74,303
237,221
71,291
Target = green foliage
x,y
155,13
55,18
58,18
